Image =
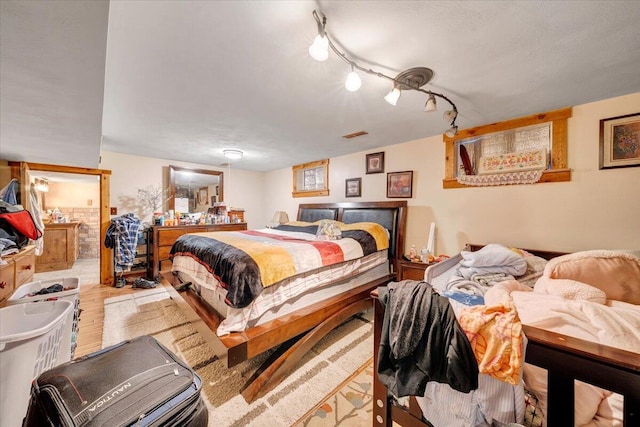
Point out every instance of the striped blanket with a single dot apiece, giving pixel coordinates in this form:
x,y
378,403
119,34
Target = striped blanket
x,y
245,262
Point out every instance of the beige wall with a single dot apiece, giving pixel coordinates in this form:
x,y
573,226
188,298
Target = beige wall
x,y
72,194
131,173
596,209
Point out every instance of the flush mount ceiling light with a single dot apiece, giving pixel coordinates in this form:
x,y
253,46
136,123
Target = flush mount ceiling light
x,y
411,79
233,154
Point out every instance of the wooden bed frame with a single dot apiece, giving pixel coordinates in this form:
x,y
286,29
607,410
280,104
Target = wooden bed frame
x,y
296,333
565,358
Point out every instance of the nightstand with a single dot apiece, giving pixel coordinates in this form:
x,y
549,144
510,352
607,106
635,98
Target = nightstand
x,y
408,270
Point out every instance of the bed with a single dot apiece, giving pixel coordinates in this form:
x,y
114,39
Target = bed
x,y
305,319
564,357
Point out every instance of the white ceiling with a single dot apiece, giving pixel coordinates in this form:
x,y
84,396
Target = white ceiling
x,y
183,80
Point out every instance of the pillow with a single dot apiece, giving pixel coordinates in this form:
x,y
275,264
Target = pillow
x,y
328,230
614,272
571,289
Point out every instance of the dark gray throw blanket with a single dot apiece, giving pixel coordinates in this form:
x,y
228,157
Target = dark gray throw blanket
x,y
422,341
236,270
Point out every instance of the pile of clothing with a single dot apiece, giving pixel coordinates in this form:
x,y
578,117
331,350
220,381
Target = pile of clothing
x,y
122,237
480,270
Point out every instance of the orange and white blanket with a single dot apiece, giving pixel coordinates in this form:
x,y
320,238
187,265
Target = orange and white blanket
x,y
495,334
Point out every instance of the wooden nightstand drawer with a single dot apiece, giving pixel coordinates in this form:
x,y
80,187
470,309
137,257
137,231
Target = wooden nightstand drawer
x,y
408,270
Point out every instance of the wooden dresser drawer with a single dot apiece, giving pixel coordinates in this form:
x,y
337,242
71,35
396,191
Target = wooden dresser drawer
x,y
163,252
229,227
25,266
168,237
6,281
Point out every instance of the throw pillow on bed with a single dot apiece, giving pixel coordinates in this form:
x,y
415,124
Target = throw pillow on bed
x,y
328,230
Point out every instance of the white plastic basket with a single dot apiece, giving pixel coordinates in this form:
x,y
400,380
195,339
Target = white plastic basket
x,y
30,337
71,293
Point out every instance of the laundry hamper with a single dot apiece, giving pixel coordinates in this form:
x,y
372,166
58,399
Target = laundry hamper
x,y
71,293
30,337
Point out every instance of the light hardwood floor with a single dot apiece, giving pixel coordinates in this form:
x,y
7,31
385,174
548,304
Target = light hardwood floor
x,y
92,315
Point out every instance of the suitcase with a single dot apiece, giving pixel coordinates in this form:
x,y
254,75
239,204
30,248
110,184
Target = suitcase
x,y
137,382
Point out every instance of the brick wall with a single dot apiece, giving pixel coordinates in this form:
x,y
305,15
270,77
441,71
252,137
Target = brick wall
x,y
89,231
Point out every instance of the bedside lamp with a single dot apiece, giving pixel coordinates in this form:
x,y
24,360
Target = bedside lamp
x,y
280,217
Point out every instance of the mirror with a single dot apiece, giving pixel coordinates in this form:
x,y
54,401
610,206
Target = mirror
x,y
194,190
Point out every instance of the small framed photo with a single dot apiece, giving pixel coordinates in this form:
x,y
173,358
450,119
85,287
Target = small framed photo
x,y
353,187
400,184
620,141
375,163
203,196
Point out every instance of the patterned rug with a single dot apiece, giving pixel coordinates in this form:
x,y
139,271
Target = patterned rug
x,y
299,400
351,405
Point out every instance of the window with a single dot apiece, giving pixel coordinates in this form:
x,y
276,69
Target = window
x,y
311,179
544,131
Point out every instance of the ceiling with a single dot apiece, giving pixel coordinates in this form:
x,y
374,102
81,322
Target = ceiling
x,y
183,80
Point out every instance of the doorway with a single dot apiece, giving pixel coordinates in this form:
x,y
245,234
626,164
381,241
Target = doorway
x,y
25,172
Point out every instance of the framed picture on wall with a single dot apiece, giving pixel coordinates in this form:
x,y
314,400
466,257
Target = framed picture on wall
x,y
620,141
203,196
400,184
375,163
353,187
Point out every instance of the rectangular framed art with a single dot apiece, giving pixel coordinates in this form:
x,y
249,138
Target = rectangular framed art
x,y
353,187
620,141
375,163
400,184
203,195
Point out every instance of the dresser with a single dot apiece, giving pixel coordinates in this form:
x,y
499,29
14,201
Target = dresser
x,y
17,271
61,247
163,238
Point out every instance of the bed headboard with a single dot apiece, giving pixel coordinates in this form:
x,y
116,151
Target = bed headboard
x,y
542,254
391,215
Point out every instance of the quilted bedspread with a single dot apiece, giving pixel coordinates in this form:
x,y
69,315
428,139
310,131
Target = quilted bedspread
x,y
245,262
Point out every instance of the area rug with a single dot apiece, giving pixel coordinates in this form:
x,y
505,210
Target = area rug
x,y
351,405
327,367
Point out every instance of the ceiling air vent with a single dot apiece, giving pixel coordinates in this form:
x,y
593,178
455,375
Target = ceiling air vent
x,y
353,135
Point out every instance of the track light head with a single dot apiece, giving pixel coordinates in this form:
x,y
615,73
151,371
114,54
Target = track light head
x,y
319,50
393,96
452,131
430,105
353,81
450,115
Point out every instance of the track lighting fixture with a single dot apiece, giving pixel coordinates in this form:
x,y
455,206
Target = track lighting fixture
x,y
411,79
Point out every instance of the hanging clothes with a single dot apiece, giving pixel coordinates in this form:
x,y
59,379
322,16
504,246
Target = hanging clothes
x,y
122,237
36,213
11,192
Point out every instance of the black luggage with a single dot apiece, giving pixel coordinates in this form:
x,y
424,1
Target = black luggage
x,y
137,382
